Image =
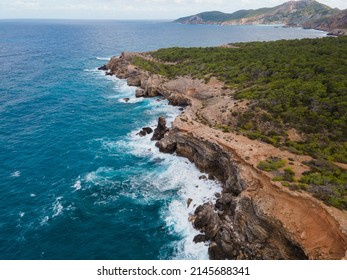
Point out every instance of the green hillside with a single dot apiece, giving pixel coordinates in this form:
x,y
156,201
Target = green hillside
x,y
300,84
290,13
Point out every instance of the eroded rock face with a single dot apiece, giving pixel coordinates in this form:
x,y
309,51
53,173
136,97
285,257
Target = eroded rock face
x,y
244,234
207,156
207,220
252,218
166,145
140,93
161,129
149,85
235,228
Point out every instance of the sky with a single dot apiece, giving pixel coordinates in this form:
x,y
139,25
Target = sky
x,y
130,9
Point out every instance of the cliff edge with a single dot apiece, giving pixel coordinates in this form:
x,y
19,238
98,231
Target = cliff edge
x,y
255,217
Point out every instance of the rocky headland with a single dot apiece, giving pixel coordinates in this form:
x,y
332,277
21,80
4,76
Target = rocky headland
x,y
336,24
254,217
308,14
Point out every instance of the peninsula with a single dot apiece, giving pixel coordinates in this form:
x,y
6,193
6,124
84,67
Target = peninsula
x,y
304,13
271,129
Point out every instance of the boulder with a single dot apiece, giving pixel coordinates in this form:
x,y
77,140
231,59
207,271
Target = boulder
x,y
166,145
145,131
200,238
103,68
142,133
161,129
140,93
207,220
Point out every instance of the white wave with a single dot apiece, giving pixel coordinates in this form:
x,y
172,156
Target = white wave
x,y
181,176
77,186
102,176
130,100
15,174
121,90
184,174
44,220
32,195
143,146
103,58
173,173
109,145
91,70
90,177
57,207
21,214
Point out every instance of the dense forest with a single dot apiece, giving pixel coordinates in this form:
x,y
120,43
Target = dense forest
x,y
290,84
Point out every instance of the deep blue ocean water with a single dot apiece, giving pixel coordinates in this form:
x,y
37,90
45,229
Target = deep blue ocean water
x,y
76,182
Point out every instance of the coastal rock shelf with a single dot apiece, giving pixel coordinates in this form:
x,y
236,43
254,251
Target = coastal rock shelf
x,y
254,218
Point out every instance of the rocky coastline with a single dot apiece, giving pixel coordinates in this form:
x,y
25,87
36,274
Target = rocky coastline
x,y
254,217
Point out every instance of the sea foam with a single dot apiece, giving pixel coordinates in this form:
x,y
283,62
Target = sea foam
x,y
15,174
57,207
103,58
174,179
172,173
77,186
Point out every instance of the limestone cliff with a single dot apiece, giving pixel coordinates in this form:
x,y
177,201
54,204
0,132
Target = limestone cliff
x,y
254,218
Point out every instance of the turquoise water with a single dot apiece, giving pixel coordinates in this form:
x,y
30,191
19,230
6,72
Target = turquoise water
x,y
76,182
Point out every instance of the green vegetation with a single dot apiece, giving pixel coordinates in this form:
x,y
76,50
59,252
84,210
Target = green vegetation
x,y
284,13
327,182
287,175
214,16
299,84
271,164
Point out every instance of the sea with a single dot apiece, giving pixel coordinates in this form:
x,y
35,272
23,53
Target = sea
x,y
76,180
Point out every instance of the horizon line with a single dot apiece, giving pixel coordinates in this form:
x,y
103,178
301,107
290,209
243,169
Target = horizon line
x,y
98,19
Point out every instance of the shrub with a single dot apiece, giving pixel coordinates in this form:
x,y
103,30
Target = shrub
x,y
288,175
271,164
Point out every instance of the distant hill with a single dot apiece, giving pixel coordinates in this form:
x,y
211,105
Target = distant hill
x,y
336,24
292,13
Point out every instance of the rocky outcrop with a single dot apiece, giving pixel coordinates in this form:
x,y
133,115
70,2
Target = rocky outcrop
x,y
145,130
161,129
149,85
335,24
253,218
